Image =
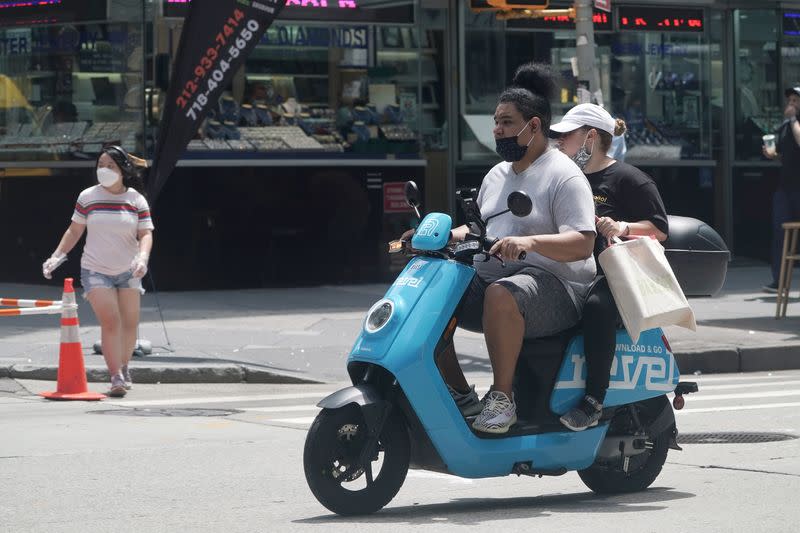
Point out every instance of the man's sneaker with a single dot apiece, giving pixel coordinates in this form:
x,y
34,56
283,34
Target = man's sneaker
x,y
126,377
117,386
585,415
467,402
772,287
499,413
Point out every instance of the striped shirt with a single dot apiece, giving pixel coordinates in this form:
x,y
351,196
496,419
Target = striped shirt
x,y
113,222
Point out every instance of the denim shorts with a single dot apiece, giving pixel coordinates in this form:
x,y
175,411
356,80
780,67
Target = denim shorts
x,y
93,280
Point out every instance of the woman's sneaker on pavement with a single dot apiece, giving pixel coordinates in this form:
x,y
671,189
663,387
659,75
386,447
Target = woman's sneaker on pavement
x,y
117,386
498,415
586,415
467,402
126,377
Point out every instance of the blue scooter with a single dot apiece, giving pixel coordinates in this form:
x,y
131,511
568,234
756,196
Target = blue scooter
x,y
399,414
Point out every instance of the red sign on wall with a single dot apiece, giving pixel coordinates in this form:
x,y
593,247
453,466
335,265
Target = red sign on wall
x,y
394,198
605,5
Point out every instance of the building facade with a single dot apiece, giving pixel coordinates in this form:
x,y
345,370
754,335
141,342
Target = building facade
x,y
297,176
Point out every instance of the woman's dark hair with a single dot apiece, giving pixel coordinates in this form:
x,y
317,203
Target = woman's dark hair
x,y
531,90
133,169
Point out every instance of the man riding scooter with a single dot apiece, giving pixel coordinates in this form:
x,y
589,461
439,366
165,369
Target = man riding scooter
x,y
542,294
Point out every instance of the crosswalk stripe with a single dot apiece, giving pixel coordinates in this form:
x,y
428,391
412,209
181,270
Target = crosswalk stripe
x,y
738,408
733,377
301,420
308,420
765,394
226,399
280,409
704,388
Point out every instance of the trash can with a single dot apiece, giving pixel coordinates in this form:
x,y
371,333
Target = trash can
x,y
697,255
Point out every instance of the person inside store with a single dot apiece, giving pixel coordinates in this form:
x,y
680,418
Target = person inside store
x,y
64,112
542,294
119,237
786,199
627,203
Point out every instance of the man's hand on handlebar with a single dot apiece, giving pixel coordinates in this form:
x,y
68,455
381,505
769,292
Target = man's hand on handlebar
x,y
512,248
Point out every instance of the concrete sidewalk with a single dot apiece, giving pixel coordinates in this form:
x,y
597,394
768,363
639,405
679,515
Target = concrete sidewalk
x,y
304,334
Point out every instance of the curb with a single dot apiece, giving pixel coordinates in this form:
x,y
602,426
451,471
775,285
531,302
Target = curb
x,y
222,373
778,357
717,359
725,359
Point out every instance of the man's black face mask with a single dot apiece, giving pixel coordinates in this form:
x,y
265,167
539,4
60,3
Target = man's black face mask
x,y
509,149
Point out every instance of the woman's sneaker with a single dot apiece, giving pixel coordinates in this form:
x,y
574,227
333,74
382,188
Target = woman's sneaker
x,y
126,377
498,415
117,386
467,402
586,415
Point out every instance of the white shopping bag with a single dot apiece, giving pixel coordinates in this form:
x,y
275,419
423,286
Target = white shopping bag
x,y
644,287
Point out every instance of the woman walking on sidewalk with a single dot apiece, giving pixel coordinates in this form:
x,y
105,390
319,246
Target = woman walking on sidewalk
x,y
119,237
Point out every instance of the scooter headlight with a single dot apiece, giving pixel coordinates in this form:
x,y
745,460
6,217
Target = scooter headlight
x,y
379,315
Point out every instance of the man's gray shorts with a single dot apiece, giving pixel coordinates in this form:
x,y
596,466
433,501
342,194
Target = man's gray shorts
x,y
541,298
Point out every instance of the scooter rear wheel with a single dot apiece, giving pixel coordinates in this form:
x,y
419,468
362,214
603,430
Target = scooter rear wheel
x,y
330,459
643,469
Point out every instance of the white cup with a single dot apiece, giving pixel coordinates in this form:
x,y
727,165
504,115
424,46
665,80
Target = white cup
x,y
769,142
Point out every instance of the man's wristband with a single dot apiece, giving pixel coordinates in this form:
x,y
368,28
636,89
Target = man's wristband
x,y
627,230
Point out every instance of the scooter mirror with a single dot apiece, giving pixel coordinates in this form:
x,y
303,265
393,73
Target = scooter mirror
x,y
520,203
412,194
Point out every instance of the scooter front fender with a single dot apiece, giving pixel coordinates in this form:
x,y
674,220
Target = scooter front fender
x,y
373,406
362,394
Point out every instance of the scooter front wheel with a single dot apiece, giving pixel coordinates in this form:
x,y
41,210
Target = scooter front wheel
x,y
333,447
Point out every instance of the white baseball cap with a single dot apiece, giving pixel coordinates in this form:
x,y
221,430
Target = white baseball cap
x,y
585,115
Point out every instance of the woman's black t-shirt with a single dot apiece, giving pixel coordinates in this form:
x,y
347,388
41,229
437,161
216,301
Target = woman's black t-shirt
x,y
625,193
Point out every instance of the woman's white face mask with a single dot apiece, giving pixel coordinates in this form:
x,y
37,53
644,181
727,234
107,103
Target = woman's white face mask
x,y
107,177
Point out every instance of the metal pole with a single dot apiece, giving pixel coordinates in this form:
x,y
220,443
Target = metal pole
x,y
584,45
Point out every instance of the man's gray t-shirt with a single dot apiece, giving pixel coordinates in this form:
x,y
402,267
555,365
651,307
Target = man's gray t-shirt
x,y
562,201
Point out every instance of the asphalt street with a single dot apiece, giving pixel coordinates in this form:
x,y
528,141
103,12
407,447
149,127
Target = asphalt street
x,y
228,457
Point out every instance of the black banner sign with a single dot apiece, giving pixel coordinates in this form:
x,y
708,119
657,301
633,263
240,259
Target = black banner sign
x,y
217,36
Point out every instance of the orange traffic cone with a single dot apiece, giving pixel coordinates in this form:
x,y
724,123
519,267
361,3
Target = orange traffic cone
x,y
71,372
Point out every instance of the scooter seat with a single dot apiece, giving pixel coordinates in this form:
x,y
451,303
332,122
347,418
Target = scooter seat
x,y
551,346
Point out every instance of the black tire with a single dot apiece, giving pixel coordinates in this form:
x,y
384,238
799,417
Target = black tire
x,y
609,477
333,444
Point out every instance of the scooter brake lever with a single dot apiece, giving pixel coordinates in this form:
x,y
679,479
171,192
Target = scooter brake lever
x,y
502,263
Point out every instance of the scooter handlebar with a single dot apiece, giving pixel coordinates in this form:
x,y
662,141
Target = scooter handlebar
x,y
489,242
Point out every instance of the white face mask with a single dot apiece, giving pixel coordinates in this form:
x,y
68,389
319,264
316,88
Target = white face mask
x,y
107,177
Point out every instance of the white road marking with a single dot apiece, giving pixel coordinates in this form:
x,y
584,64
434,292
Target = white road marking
x,y
302,420
437,475
280,409
704,388
765,394
738,408
733,377
223,399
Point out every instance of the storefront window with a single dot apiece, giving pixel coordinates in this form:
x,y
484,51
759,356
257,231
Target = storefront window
x,y
757,109
484,77
66,89
661,82
344,88
790,49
